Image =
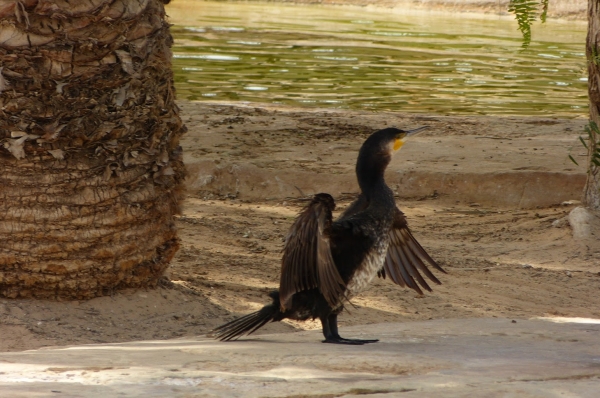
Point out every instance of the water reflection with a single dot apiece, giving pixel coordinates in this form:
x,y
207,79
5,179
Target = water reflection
x,y
364,59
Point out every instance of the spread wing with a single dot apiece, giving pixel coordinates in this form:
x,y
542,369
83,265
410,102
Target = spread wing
x,y
406,260
307,262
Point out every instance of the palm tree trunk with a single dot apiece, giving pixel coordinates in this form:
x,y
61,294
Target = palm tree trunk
x,y
90,162
592,187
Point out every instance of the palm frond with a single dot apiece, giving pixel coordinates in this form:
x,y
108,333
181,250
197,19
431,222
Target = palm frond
x,y
526,12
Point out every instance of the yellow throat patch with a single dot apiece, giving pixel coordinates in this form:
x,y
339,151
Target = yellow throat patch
x,y
398,144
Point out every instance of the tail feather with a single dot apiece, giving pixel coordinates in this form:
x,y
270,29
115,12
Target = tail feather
x,y
248,324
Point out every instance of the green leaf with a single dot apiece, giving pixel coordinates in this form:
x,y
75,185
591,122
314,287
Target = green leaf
x,y
544,11
594,127
573,160
596,162
588,130
583,142
525,13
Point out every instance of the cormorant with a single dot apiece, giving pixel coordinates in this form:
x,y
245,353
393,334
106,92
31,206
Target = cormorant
x,y
326,262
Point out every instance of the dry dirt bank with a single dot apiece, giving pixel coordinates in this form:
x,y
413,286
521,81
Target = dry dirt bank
x,y
503,261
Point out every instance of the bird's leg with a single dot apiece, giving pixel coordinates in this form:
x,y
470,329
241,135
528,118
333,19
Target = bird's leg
x,y
330,331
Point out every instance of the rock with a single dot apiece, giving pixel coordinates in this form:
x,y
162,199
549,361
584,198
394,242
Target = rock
x,y
561,222
438,358
584,222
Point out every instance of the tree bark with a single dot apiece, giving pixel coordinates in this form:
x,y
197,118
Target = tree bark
x,y
90,162
592,187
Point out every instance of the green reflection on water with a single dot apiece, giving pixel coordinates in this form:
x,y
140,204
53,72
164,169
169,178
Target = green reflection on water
x,y
364,59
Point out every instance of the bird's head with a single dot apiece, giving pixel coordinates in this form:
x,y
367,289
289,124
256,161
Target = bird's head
x,y
400,136
383,143
376,152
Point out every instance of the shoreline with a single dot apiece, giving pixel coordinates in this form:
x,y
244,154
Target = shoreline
x,y
570,10
519,162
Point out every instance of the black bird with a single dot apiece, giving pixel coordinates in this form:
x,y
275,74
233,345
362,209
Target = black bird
x,y
325,263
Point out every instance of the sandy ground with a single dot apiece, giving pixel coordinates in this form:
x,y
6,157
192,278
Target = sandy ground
x,y
510,260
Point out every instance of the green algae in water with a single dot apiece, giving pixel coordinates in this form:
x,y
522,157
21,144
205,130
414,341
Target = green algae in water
x,y
354,58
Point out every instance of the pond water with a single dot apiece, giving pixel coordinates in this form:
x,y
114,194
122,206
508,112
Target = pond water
x,y
363,58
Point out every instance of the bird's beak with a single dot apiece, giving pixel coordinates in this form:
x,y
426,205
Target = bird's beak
x,y
415,131
400,141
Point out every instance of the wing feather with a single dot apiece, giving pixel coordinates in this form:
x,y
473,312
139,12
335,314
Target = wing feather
x,y
398,267
406,259
307,262
417,252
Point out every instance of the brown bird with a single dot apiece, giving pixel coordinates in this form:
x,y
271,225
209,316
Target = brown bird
x,y
325,263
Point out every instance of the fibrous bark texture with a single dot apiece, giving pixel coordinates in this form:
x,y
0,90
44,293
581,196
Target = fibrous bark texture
x,y
592,187
90,162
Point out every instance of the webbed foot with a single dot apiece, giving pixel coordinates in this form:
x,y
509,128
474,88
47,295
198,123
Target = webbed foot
x,y
341,340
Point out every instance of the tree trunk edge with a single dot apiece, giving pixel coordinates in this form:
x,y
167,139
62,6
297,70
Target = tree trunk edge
x,y
591,193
